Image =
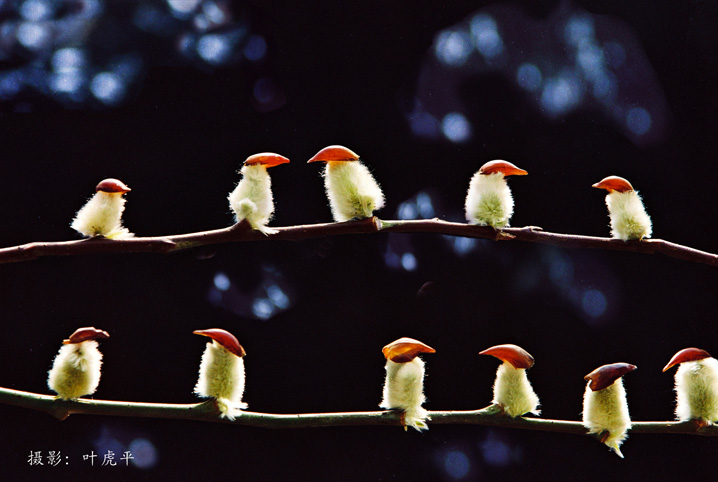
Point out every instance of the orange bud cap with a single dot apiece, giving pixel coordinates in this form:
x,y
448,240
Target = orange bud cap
x,y
504,167
267,159
614,183
405,349
334,154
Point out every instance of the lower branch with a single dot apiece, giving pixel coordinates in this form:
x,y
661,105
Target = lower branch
x,y
242,232
208,412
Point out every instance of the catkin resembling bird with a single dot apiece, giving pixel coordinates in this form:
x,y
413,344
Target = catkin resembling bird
x,y
605,408
102,214
221,372
512,390
629,220
252,198
489,201
77,367
696,385
352,191
404,383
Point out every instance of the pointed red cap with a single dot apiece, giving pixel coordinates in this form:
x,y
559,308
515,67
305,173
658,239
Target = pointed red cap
x,y
86,333
614,183
111,186
224,338
686,355
513,354
604,376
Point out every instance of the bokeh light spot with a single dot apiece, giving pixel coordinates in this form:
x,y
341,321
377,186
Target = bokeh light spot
x,y
425,206
278,297
578,29
453,48
486,36
456,127
108,87
256,48
408,210
68,60
144,453
496,452
638,120
529,76
457,464
182,8
222,282
33,36
409,262
263,308
35,10
594,303
561,94
214,48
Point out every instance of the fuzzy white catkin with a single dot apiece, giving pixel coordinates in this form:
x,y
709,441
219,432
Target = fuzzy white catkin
x,y
102,215
513,391
76,370
352,191
697,390
252,198
489,200
607,410
221,376
629,219
404,390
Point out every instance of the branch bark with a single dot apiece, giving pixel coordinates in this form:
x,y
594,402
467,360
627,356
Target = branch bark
x,y
242,232
208,412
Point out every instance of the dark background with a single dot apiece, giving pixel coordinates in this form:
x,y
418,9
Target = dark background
x,y
347,73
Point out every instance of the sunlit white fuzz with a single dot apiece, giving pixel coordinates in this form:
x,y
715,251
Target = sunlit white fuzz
x,y
489,200
102,214
252,198
605,408
77,367
404,383
512,390
629,220
696,385
221,372
352,191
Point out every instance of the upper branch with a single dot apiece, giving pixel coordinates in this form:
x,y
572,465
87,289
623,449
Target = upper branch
x,y
242,232
208,412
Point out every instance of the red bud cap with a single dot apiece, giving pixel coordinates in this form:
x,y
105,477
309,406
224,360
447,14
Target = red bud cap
x,y
604,376
267,159
334,154
224,338
111,186
86,333
614,183
405,349
504,167
686,355
513,354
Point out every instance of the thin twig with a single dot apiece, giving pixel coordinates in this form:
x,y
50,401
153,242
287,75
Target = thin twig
x,y
208,412
242,232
